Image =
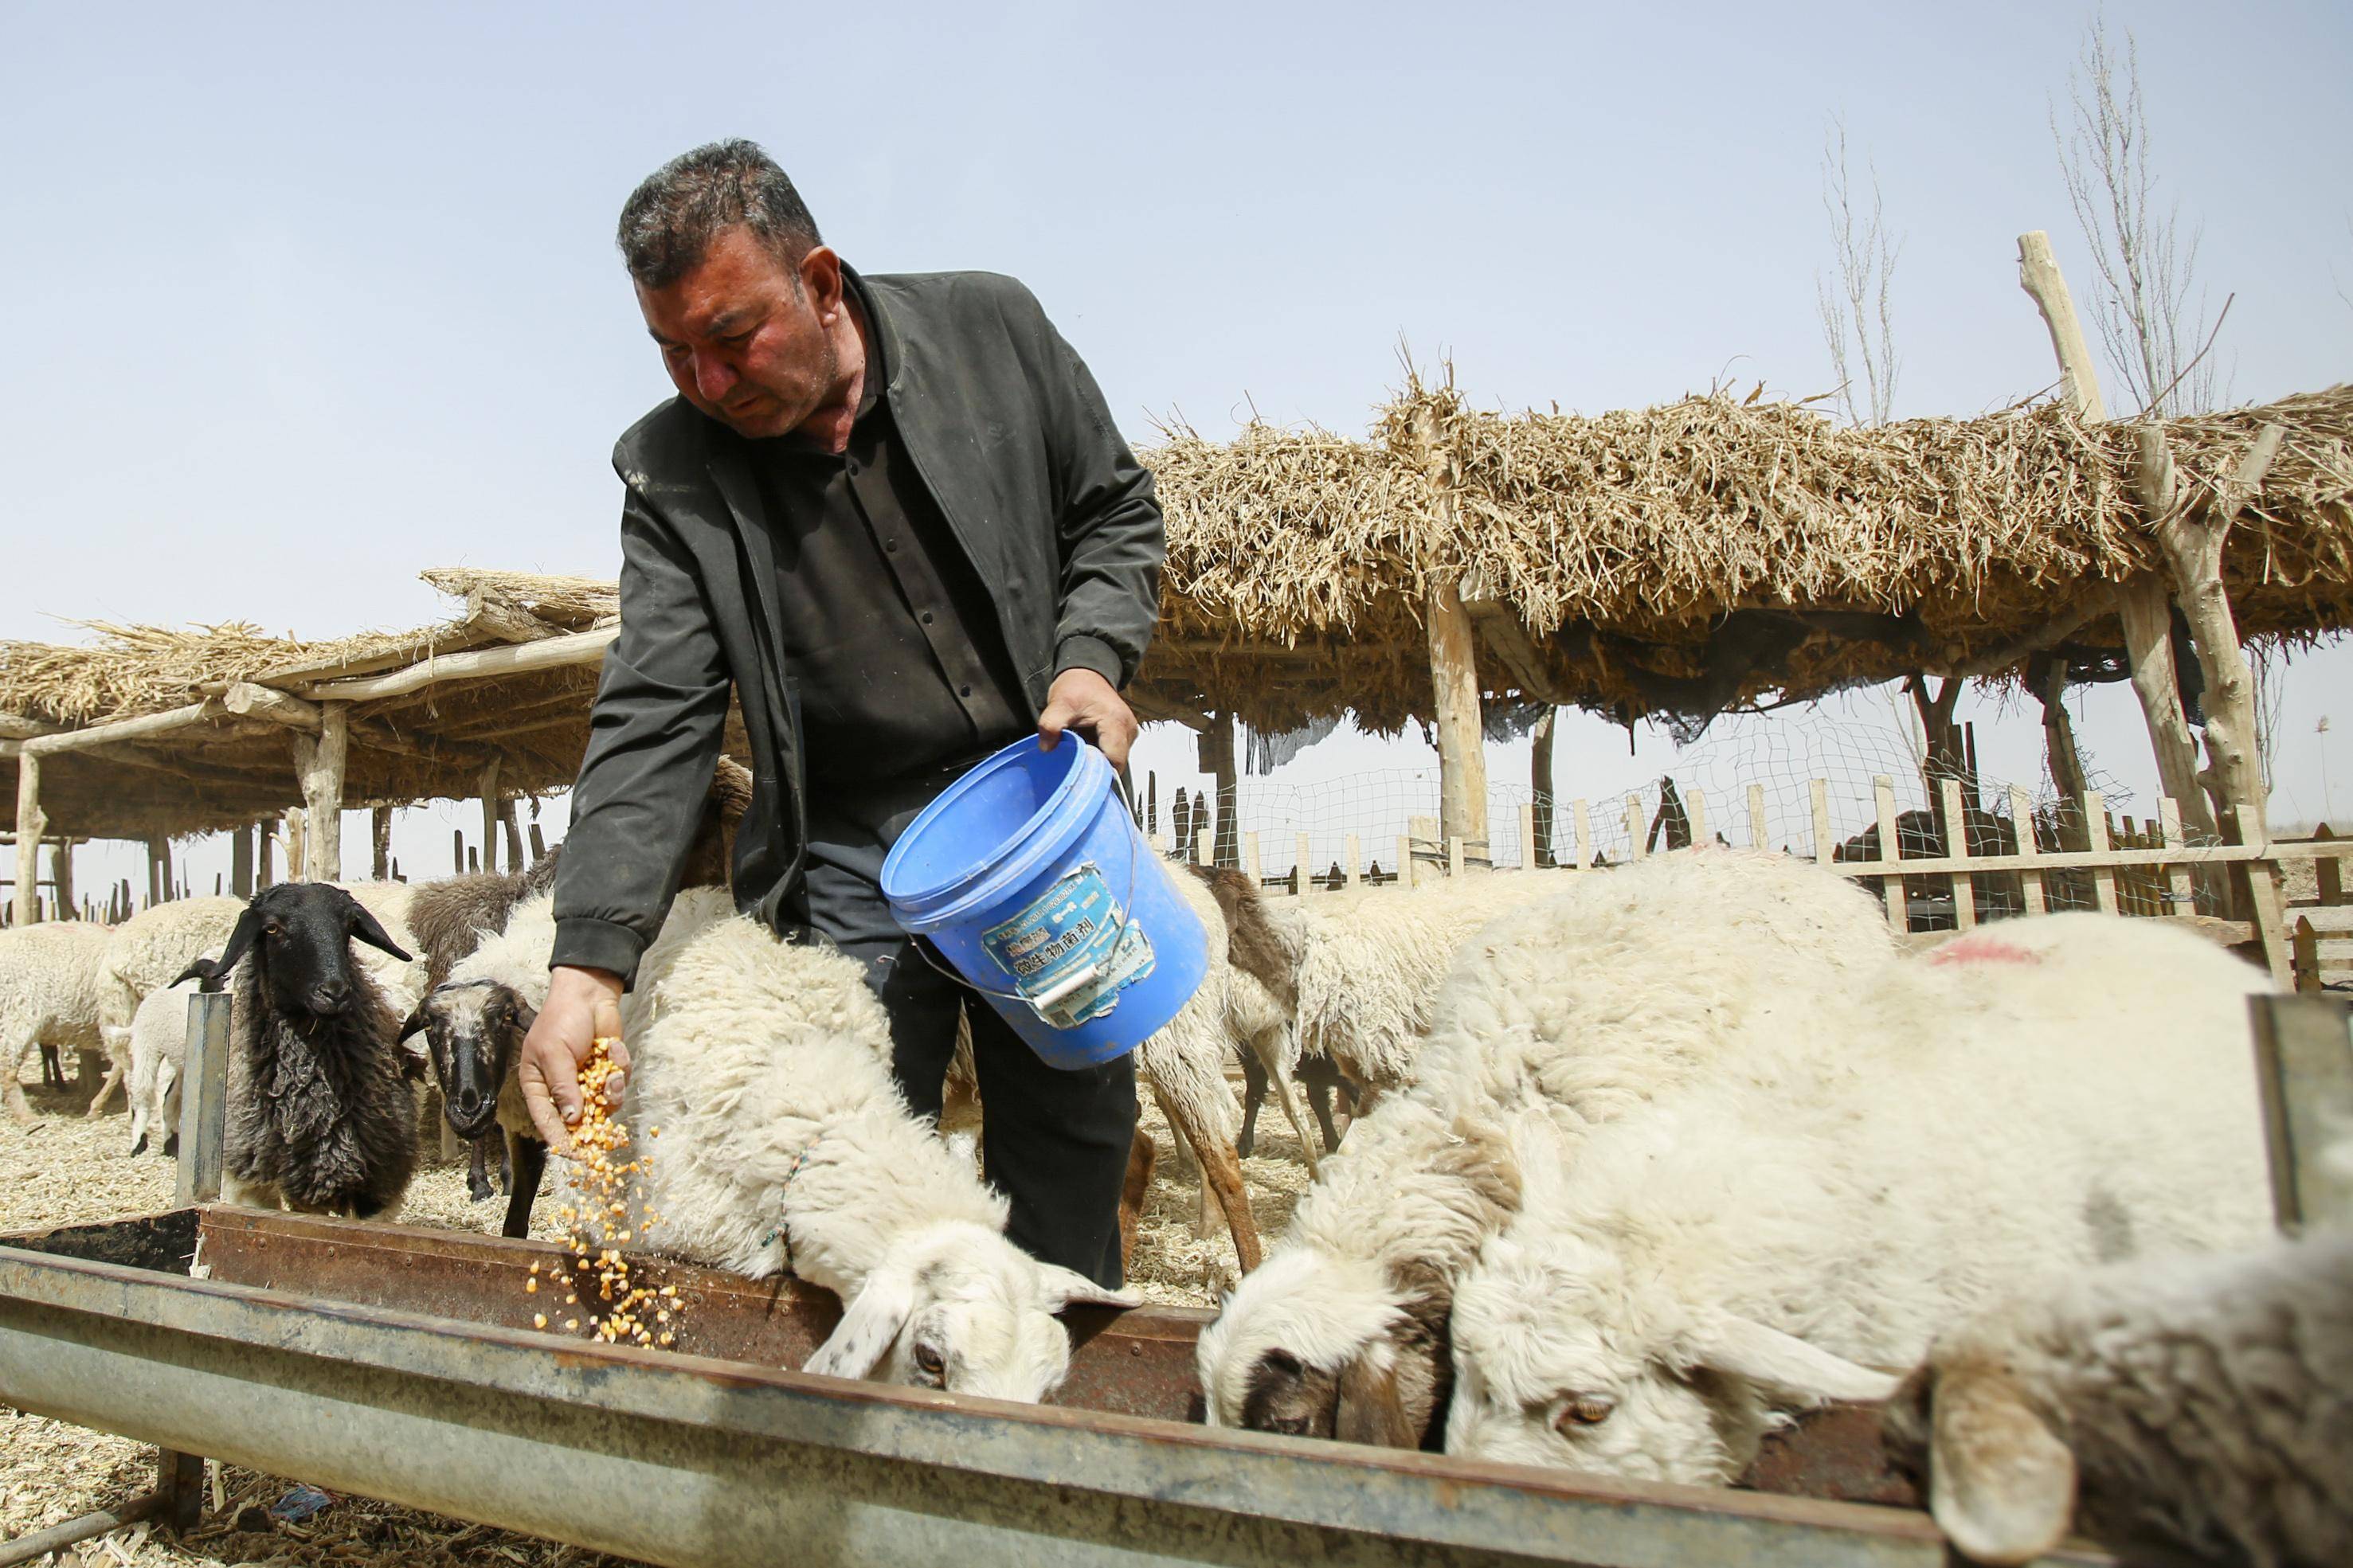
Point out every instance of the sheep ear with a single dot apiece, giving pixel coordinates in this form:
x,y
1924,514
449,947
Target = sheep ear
x,y
365,929
868,1328
2001,1487
1370,1410
201,970
1068,1287
1785,1363
211,971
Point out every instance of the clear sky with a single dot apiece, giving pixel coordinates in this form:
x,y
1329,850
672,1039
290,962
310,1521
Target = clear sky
x,y
301,300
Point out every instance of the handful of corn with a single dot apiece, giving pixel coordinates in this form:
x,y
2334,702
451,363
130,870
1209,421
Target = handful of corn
x,y
594,1225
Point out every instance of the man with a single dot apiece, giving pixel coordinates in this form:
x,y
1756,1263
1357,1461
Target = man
x,y
895,516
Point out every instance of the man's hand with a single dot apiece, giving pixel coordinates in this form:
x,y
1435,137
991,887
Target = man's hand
x,y
584,1005
1083,701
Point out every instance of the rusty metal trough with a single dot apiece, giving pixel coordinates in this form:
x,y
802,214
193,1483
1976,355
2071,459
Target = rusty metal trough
x,y
399,1363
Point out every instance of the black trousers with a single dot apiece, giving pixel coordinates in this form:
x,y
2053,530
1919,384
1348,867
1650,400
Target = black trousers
x,y
1055,1142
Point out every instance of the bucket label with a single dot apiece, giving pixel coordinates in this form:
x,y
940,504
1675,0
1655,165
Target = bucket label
x,y
1071,941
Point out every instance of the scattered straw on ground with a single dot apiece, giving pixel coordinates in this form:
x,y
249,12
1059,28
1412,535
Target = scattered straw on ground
x,y
63,1169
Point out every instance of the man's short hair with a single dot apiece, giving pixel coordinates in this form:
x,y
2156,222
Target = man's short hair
x,y
669,221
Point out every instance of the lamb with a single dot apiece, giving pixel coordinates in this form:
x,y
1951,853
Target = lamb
x,y
787,1145
147,952
2183,1406
474,1023
1615,988
52,991
2062,1092
159,1055
319,1113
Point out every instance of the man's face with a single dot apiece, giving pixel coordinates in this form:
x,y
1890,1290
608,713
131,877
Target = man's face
x,y
758,346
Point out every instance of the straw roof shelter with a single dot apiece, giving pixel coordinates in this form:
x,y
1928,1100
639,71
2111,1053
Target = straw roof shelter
x,y
1677,560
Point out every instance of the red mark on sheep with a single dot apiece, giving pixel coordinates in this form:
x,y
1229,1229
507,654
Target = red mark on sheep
x,y
1982,950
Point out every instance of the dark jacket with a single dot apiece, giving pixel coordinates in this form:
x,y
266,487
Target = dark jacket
x,y
1009,433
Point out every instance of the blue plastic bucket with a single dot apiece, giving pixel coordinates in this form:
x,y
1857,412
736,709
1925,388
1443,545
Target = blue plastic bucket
x,y
1029,876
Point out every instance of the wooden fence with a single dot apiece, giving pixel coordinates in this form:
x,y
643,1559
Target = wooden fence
x,y
1933,882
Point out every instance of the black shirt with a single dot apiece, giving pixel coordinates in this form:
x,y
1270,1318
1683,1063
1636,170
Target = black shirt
x,y
899,664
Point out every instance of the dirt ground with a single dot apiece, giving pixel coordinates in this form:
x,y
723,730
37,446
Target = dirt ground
x,y
63,1169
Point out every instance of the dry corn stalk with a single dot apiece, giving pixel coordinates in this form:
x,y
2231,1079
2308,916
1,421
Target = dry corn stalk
x,y
595,1225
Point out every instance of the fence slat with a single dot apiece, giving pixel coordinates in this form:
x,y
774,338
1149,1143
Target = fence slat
x,y
1584,835
1757,830
1355,862
1695,810
2022,817
1250,857
1956,848
1636,829
2263,896
1203,851
1891,849
1405,860
1824,849
1528,839
2096,832
1300,855
2184,893
1454,856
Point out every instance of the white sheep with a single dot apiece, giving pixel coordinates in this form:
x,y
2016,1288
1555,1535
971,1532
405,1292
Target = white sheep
x,y
785,1144
2183,1406
2054,1094
1616,987
159,1056
52,991
148,951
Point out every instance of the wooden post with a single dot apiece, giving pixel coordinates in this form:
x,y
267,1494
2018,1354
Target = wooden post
x,y
240,860
159,870
1825,846
1695,812
264,850
512,825
1757,831
1540,851
1638,838
1527,837
297,856
2191,531
2182,894
2262,888
319,760
1301,856
2095,830
1584,822
1252,866
1405,860
30,825
2038,275
1453,668
204,1098
2303,1070
1216,755
61,878
1355,862
1890,848
2146,610
491,814
1956,845
380,843
2059,747
1201,845
458,851
539,845
2022,816
1454,858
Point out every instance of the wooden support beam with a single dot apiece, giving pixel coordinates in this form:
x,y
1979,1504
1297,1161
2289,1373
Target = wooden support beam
x,y
550,653
1217,759
2192,529
490,815
99,735
1539,849
2038,275
240,860
61,878
298,858
380,843
319,765
159,870
2146,609
30,826
1453,668
251,701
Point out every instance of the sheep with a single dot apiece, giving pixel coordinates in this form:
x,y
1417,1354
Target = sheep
x,y
1614,988
2199,1406
449,918
147,952
2062,1092
787,1145
159,1054
51,990
318,1114
474,1023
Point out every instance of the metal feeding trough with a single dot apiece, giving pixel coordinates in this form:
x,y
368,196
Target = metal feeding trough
x,y
399,1363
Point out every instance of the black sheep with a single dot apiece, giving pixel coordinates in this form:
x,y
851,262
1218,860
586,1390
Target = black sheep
x,y
319,1113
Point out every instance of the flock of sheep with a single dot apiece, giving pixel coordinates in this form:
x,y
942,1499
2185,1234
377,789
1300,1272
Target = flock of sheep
x,y
1641,1163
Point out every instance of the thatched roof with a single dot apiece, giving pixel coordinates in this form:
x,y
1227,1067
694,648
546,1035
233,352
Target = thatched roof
x,y
1683,558
1674,560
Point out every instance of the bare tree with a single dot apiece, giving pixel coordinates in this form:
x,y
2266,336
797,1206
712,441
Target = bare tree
x,y
2147,264
1856,320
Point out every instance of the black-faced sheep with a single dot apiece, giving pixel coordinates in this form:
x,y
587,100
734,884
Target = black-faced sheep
x,y
320,1117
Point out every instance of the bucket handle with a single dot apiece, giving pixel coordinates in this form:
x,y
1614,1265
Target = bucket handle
x,y
1093,971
